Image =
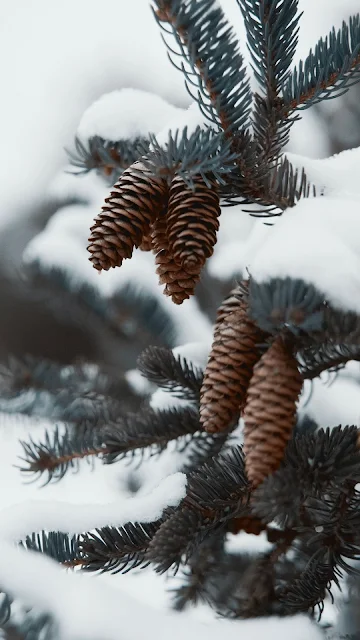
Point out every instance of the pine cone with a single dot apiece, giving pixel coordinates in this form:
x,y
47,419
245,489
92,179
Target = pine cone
x,y
192,222
146,243
180,285
232,302
136,200
229,369
270,411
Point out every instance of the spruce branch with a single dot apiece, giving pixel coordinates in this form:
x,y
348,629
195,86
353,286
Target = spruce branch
x,y
314,360
131,312
56,545
148,430
109,157
71,393
201,575
328,71
203,152
140,314
274,187
315,464
108,549
178,538
214,68
272,28
220,485
171,373
203,448
216,493
309,590
151,430
286,303
117,550
30,372
60,451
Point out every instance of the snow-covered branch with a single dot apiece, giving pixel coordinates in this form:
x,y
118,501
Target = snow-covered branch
x,y
33,516
75,601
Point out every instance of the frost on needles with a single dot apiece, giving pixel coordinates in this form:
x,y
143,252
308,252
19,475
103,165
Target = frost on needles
x,y
244,459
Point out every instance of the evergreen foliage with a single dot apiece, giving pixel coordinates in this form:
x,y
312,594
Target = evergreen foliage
x,y
307,503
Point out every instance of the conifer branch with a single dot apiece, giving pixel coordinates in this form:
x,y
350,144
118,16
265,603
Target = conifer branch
x,y
131,312
151,430
326,357
60,451
171,373
224,99
117,550
148,430
274,187
202,449
309,590
110,157
272,33
56,545
203,152
286,303
216,493
328,71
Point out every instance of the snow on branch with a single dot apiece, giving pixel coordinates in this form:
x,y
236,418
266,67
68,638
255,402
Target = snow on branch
x,y
309,243
75,602
33,516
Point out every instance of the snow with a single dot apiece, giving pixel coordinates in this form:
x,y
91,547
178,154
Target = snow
x,y
331,404
318,241
335,176
76,601
228,261
126,114
17,521
195,352
87,187
190,118
74,54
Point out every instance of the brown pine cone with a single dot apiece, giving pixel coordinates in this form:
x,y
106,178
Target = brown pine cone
x,y
227,375
192,222
180,285
136,199
270,411
146,243
232,301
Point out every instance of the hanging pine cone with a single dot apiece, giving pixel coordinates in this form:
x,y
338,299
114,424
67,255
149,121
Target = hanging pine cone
x,y
270,411
180,285
192,222
229,369
232,302
146,243
136,200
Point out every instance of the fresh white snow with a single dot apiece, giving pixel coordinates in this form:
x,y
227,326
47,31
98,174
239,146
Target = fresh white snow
x,y
126,114
20,519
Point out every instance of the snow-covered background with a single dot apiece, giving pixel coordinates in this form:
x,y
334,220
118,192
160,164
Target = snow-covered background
x,y
56,59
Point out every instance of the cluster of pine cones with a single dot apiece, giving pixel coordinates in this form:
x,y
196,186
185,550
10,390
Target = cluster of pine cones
x,y
246,375
177,223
